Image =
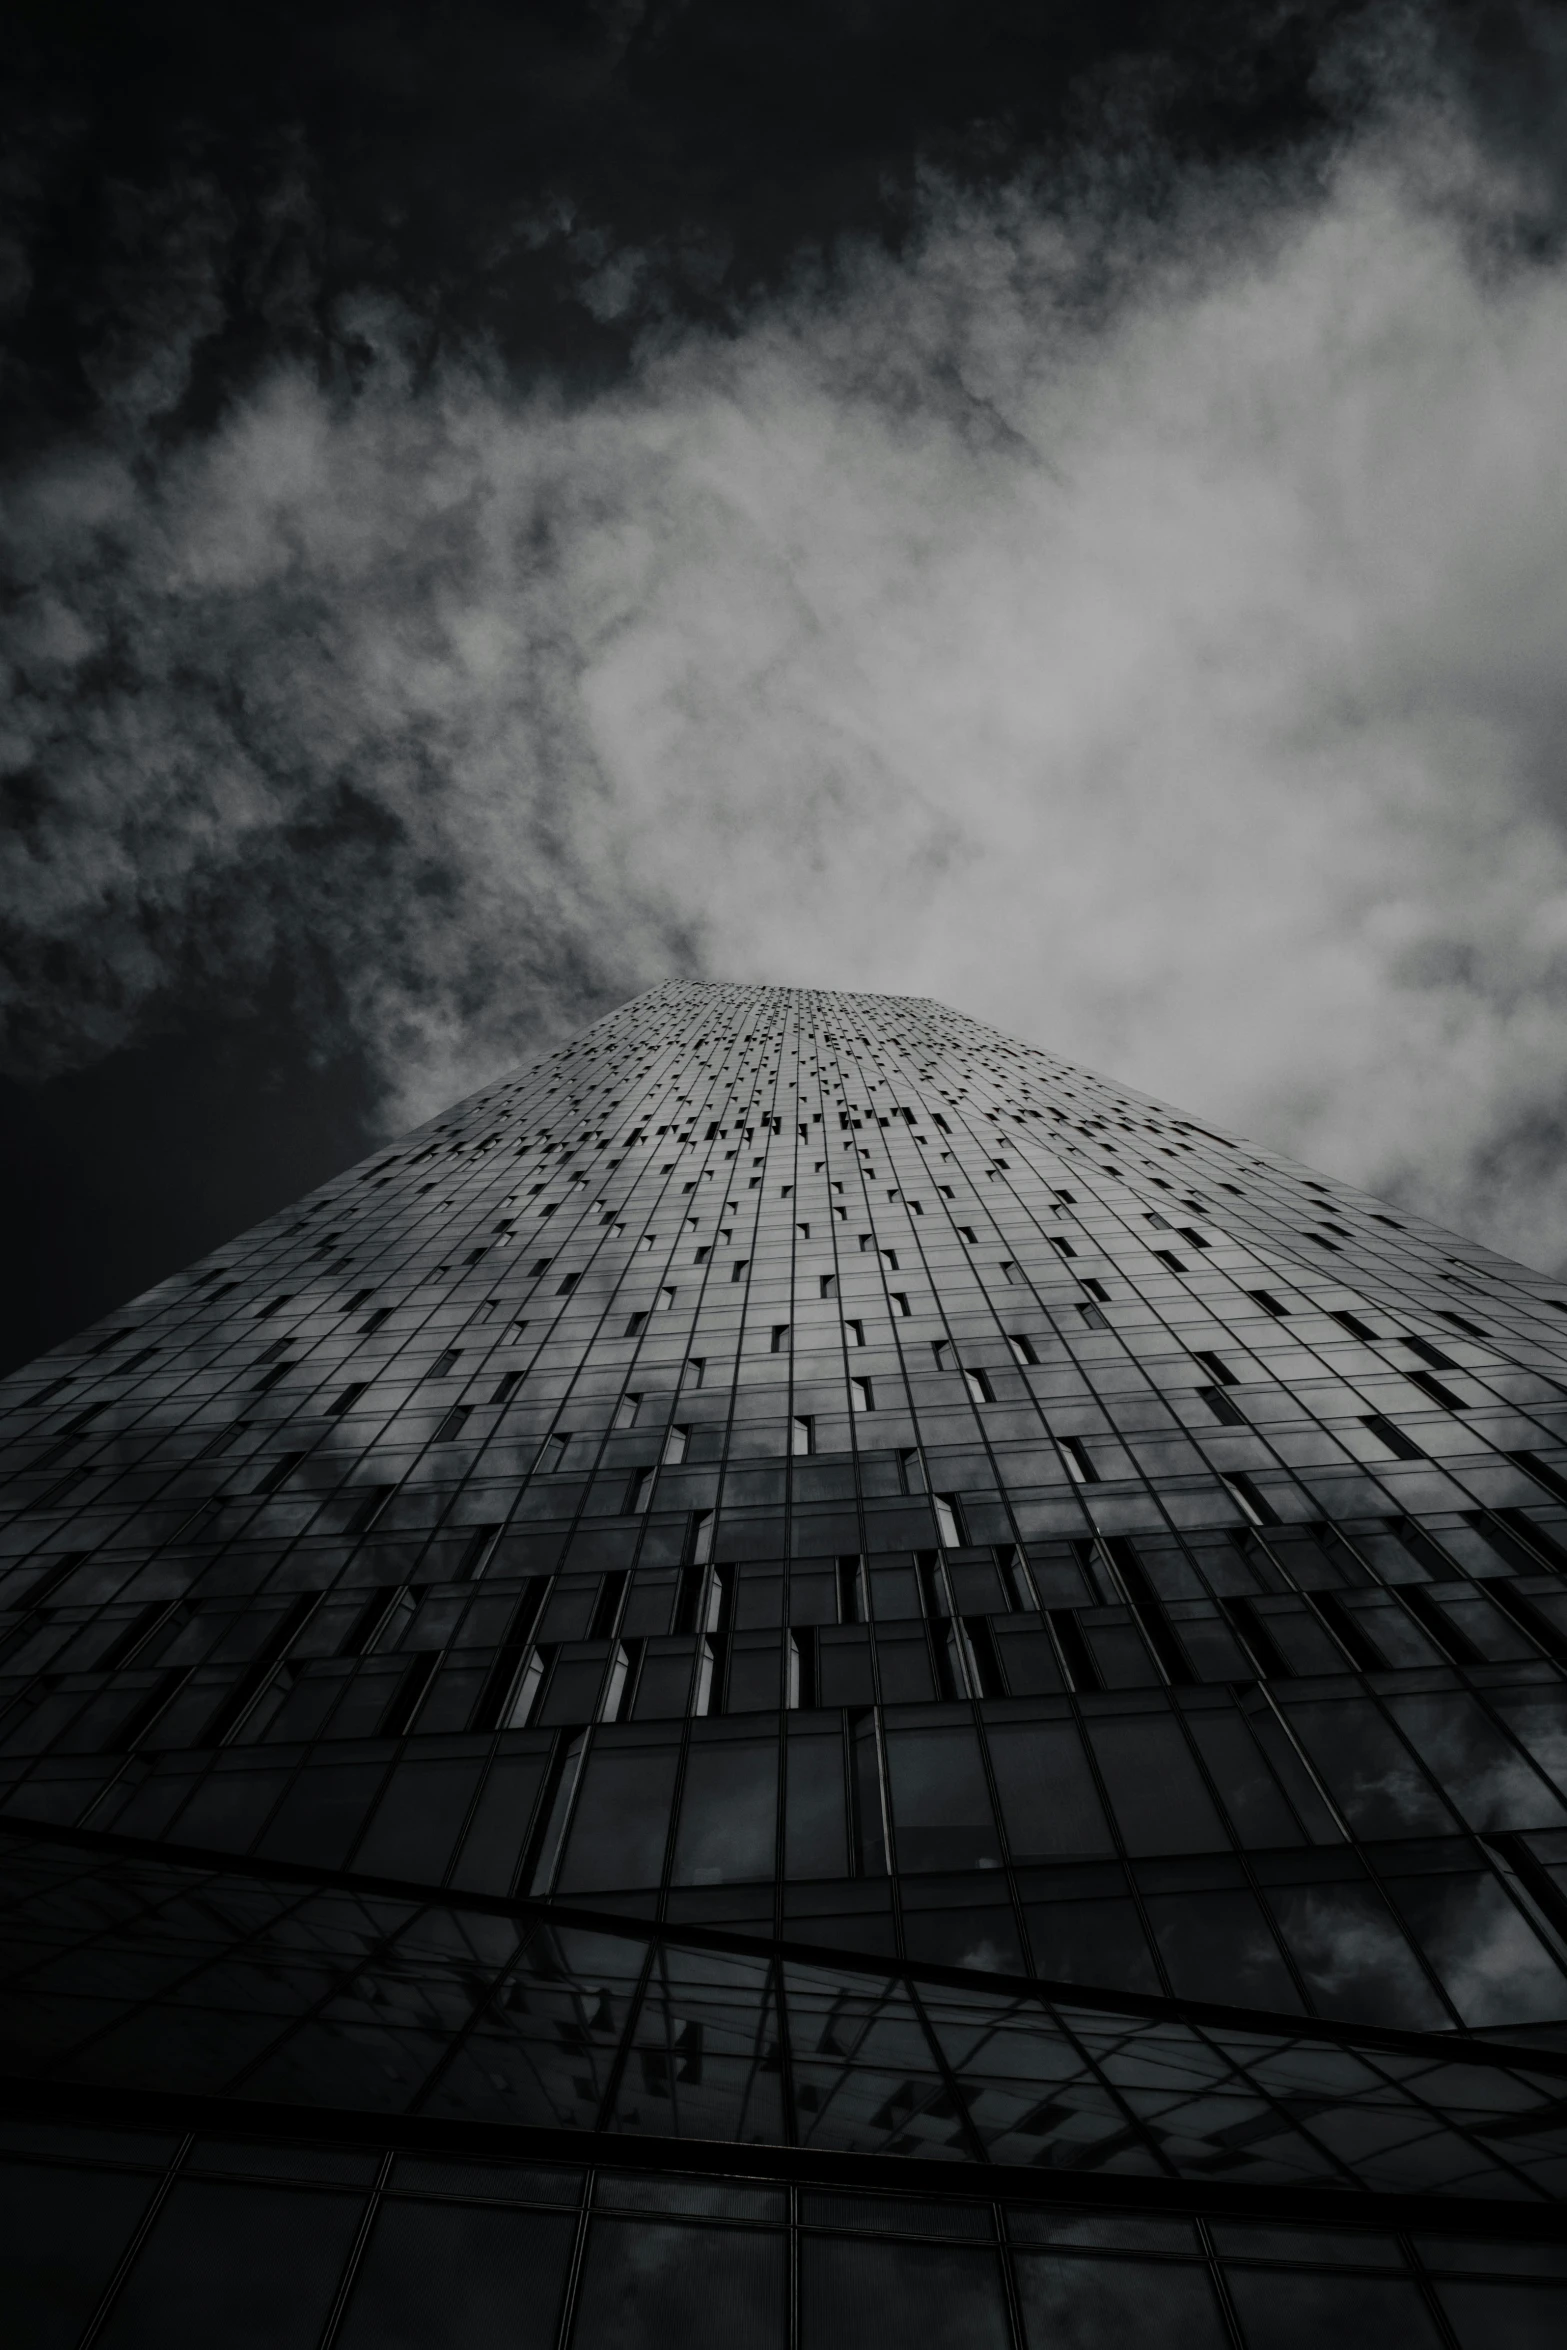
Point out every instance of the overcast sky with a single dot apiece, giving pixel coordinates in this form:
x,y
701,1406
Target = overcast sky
x,y
1071,524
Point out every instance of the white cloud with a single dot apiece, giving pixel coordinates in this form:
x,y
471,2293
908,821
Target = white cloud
x,y
1172,678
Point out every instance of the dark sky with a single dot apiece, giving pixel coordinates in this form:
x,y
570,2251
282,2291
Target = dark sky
x,y
293,300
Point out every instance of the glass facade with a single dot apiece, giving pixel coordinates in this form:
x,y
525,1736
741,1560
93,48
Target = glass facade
x,y
801,1677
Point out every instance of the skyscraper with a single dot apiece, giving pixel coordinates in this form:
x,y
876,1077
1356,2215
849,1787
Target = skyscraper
x,y
806,1679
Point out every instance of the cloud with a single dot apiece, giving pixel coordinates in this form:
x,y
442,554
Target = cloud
x,y
1141,629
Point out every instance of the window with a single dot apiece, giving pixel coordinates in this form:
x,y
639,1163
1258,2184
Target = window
x,y
1252,1502
828,1285
802,1434
568,1285
666,1298
949,1530
856,1332
780,1335
675,1446
453,1423
901,1302
1269,1304
1022,1346
978,1385
968,1233
1402,1447
1079,1461
626,1410
1216,1368
634,1325
861,1395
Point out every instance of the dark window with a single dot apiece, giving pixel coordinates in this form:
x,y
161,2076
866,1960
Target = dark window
x,y
652,2284
210,2271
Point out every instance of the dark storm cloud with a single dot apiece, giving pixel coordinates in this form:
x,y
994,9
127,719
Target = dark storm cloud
x,y
1118,591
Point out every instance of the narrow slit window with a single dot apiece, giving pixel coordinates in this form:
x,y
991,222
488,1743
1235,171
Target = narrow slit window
x,y
780,1337
1252,1502
453,1424
506,1386
666,1298
802,1433
856,1332
676,1444
634,1324
1387,1432
901,1303
1216,1367
828,1285
862,1395
949,1531
1022,1346
1269,1304
978,1384
626,1410
1079,1461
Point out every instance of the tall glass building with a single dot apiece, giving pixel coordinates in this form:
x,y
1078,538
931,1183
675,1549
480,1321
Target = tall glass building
x,y
806,1680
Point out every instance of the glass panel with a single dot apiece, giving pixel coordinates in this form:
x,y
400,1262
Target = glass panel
x,y
621,1821
728,1814
859,2294
657,2285
1300,2309
1157,1793
705,2058
436,2274
1093,2304
1048,1799
213,2270
61,2233
815,1833
940,1804
1506,2317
